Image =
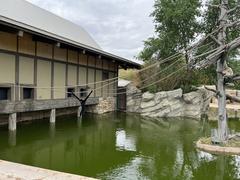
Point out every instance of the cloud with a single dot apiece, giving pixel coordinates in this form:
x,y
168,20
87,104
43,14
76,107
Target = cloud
x,y
119,26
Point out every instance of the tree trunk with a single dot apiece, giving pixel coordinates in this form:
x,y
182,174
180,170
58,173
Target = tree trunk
x,y
222,114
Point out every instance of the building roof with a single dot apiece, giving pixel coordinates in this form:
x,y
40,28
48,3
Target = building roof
x,y
123,83
28,16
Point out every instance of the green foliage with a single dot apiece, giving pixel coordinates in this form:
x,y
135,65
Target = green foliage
x,y
176,25
211,21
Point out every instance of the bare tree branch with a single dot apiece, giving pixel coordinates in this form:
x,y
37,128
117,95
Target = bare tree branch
x,y
201,41
210,59
233,24
213,5
234,44
213,38
233,9
232,78
232,98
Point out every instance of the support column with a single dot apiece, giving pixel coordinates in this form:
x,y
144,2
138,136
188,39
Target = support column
x,y
53,116
12,122
79,112
12,140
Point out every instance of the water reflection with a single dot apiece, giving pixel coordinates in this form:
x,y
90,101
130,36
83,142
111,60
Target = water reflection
x,y
119,146
124,142
204,156
12,138
52,130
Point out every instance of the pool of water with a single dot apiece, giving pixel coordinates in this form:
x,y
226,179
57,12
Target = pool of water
x,y
119,146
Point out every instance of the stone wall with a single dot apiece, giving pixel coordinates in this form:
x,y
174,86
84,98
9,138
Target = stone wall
x,y
105,105
169,103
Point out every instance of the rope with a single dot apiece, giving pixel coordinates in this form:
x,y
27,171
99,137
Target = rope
x,y
115,79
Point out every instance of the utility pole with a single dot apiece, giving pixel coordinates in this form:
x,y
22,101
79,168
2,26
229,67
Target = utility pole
x,y
221,65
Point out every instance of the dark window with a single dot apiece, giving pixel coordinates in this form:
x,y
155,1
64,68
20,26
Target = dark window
x,y
105,76
70,91
4,93
83,92
27,93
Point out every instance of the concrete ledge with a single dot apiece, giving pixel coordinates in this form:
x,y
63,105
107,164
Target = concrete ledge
x,y
214,149
10,171
39,105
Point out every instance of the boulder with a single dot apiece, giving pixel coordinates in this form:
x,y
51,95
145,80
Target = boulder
x,y
147,104
147,96
175,93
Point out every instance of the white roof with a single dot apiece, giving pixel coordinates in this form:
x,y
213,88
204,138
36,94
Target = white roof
x,y
28,16
123,82
23,12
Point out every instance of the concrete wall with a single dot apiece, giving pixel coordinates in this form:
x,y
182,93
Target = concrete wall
x,y
73,56
98,85
29,60
7,68
60,54
105,105
8,41
91,76
26,44
26,70
82,75
72,75
44,50
59,80
43,79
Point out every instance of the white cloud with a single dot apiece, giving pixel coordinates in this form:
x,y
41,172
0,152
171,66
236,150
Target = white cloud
x,y
119,26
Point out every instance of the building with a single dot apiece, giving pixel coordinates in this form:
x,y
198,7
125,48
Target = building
x,y
43,57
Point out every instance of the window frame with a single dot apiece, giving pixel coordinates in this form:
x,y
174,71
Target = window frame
x,y
10,92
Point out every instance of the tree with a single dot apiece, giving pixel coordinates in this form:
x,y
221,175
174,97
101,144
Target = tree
x,y
225,28
176,25
210,22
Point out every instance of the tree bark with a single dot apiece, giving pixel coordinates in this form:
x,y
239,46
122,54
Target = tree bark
x,y
221,63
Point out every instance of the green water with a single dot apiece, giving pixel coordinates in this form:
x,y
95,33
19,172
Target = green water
x,y
119,146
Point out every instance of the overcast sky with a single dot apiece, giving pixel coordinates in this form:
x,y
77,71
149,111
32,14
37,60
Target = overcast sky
x,y
118,26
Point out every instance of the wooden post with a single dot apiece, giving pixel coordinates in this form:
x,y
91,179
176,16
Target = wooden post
x,y
12,122
221,65
53,116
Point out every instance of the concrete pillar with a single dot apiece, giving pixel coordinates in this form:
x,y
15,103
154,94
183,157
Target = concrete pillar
x,y
79,112
53,116
12,122
12,140
52,129
79,122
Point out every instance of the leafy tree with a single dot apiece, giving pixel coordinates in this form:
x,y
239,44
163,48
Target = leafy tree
x,y
211,20
176,25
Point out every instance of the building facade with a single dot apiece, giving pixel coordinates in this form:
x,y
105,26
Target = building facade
x,y
44,58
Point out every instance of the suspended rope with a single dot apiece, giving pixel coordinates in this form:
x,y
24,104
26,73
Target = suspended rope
x,y
113,80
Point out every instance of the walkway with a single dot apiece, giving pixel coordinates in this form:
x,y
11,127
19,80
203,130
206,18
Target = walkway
x,y
15,171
